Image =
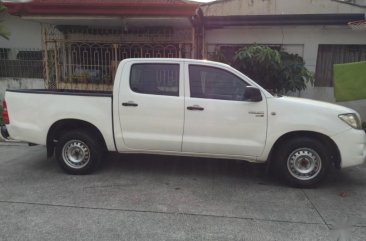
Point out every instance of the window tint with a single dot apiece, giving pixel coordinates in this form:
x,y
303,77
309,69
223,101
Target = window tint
x,y
213,83
155,79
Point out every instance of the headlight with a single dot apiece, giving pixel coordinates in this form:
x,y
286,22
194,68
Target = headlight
x,y
351,119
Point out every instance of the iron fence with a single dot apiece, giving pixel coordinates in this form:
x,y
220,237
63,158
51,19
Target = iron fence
x,y
21,63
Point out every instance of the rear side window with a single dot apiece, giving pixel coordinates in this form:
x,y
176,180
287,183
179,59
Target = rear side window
x,y
155,79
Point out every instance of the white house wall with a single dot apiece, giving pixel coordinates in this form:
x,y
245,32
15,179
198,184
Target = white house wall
x,y
273,7
24,34
17,83
295,39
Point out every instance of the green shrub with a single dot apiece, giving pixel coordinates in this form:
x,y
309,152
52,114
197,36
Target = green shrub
x,y
275,70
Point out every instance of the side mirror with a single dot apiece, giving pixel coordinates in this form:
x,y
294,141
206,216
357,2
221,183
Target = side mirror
x,y
252,94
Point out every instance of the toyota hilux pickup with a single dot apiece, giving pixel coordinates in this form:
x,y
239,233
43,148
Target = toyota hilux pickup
x,y
190,108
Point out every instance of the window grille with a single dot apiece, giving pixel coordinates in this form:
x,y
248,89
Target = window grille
x,y
21,63
328,55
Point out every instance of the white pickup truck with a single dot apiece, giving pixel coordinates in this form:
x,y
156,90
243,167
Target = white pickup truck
x,y
191,108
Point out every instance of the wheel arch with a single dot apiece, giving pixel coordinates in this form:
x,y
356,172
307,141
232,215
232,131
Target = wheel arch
x,y
59,126
326,140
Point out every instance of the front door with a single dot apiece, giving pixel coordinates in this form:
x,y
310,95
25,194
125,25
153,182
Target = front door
x,y
217,119
152,107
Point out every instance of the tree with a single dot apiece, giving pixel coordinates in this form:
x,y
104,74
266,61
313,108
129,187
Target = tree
x,y
3,31
277,71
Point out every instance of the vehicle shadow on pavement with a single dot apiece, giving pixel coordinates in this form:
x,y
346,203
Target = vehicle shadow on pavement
x,y
205,167
346,178
119,164
188,167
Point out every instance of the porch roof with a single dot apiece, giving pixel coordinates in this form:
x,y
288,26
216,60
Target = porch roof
x,y
175,8
211,22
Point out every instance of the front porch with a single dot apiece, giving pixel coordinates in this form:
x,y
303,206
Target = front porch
x,y
82,49
83,57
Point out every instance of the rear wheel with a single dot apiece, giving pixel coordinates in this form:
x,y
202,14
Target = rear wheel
x,y
78,152
302,162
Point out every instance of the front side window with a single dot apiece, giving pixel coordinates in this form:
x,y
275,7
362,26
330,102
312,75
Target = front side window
x,y
214,83
155,79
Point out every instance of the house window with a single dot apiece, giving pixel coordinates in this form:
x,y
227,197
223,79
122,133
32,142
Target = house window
x,y
29,55
16,63
4,53
328,55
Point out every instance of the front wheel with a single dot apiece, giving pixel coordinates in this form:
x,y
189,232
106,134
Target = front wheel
x,y
77,152
302,162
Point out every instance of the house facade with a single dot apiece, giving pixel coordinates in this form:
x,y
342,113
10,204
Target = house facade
x,y
81,42
317,30
78,44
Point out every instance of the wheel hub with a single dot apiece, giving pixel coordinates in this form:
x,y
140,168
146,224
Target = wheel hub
x,y
76,154
304,163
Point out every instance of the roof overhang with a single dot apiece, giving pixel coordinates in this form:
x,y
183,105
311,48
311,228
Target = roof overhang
x,y
174,8
112,21
211,22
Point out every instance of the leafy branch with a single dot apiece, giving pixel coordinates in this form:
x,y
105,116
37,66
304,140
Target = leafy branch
x,y
3,31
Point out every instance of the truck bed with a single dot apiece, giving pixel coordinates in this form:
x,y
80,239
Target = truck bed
x,y
32,112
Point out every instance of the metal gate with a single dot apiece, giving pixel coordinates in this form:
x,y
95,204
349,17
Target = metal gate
x,y
79,58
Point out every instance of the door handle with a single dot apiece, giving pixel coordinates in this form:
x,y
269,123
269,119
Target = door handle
x,y
130,103
195,107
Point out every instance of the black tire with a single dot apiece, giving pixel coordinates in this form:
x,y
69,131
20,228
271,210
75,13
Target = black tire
x,y
78,152
296,156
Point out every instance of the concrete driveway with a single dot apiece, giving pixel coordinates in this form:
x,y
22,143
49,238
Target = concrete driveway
x,y
172,198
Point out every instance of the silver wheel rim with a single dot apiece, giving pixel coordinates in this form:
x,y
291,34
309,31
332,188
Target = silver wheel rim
x,y
304,164
76,154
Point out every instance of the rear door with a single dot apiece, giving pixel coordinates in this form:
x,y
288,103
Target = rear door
x,y
151,106
217,119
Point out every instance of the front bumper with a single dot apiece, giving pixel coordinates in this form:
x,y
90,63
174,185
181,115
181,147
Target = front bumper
x,y
352,147
4,132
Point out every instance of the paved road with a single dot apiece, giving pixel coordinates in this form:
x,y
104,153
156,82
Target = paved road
x,y
172,198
